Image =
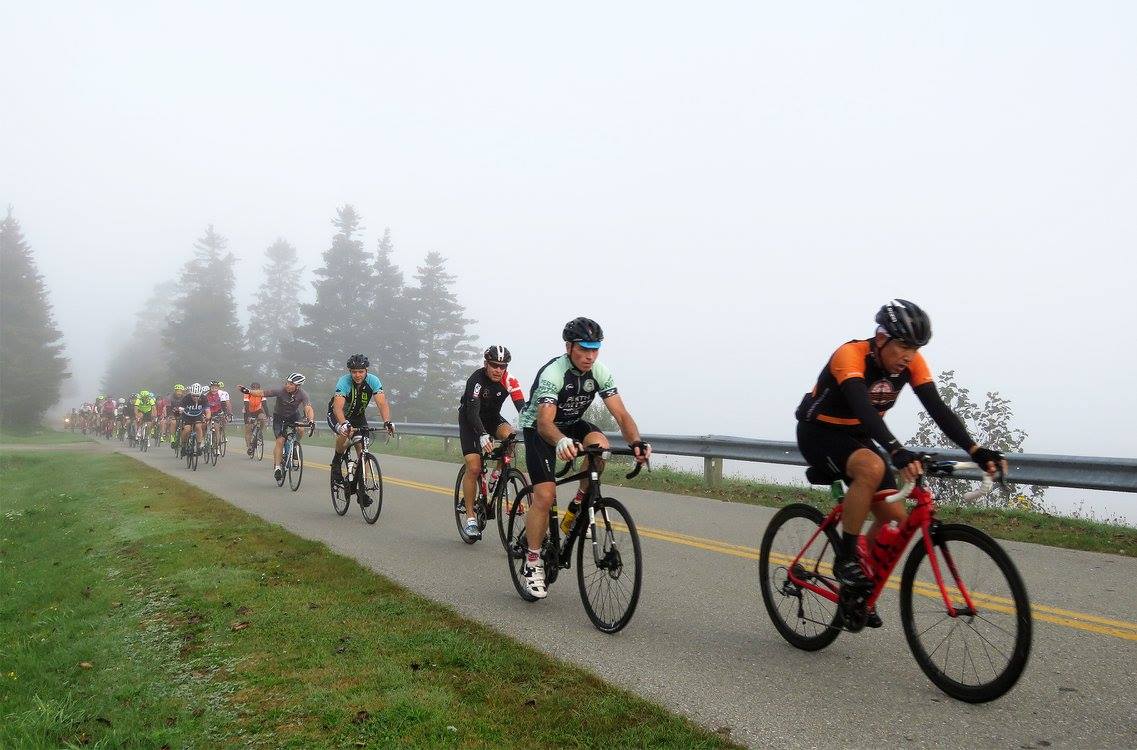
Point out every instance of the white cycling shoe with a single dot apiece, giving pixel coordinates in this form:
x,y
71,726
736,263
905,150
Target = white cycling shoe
x,y
472,529
534,577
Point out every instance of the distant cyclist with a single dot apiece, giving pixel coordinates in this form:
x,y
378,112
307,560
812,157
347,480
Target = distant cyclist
x,y
841,425
194,410
480,421
347,410
173,416
145,407
253,413
291,399
553,426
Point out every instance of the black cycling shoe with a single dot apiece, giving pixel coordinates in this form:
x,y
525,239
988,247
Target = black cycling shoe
x,y
363,500
873,620
851,574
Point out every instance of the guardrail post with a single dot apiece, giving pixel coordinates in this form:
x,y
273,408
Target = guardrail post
x,y
712,471
446,445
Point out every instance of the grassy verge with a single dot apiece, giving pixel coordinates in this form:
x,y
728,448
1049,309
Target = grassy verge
x,y
1015,525
42,437
139,611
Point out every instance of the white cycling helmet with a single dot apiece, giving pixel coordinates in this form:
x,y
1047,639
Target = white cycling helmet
x,y
295,378
196,389
121,400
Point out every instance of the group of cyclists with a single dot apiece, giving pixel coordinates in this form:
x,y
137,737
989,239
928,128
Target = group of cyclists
x,y
840,425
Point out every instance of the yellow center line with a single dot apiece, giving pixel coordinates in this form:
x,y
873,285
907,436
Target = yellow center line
x,y
1043,612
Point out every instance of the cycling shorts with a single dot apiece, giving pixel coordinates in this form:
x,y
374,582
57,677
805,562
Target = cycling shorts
x,y
541,458
471,440
829,448
355,420
147,416
279,423
251,416
187,419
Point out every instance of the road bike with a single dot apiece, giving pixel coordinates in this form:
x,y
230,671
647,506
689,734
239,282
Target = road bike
x,y
610,588
496,494
209,448
258,439
144,437
221,439
192,450
362,477
292,458
963,605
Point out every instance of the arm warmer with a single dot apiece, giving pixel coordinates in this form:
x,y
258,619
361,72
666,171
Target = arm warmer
x,y
473,408
519,404
857,395
943,416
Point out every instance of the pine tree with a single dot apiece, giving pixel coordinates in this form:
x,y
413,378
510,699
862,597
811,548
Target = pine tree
x,y
394,352
274,314
144,361
446,355
32,365
201,332
336,325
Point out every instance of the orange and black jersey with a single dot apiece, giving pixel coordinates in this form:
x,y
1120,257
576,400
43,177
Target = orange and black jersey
x,y
854,391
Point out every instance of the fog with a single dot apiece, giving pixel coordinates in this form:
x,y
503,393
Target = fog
x,y
731,190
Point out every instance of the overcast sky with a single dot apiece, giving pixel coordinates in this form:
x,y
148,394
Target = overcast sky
x,y
731,189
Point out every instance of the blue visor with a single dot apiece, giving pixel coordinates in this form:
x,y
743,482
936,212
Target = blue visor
x,y
589,344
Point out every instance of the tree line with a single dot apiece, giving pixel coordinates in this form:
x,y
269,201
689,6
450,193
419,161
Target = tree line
x,y
416,334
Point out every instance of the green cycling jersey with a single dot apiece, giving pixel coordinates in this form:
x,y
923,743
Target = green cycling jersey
x,y
559,383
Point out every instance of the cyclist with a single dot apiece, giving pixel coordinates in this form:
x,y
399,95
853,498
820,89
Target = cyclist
x,y
552,423
219,406
253,413
290,398
173,416
126,412
145,406
108,416
194,410
841,425
347,410
480,420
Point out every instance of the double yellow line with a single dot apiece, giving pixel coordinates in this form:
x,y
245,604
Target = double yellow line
x,y
1040,612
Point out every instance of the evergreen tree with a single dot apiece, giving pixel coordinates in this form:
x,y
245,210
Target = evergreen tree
x,y
393,351
446,355
336,325
274,314
32,365
201,332
144,360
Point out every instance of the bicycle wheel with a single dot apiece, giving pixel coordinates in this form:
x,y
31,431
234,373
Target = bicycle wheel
x,y
223,442
296,467
518,545
189,455
144,441
610,586
806,619
340,500
460,515
510,486
977,655
193,452
371,482
259,447
213,451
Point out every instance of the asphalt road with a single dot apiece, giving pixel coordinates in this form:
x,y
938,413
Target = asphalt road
x,y
701,642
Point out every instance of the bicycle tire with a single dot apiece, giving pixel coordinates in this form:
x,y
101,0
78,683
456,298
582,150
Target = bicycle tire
x,y
460,507
144,443
296,466
510,486
286,461
518,546
193,452
224,442
778,591
986,551
609,557
340,499
371,480
260,447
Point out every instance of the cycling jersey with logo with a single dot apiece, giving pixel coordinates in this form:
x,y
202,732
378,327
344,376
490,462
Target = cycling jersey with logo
x,y
145,405
194,406
218,402
857,359
481,401
287,405
558,382
253,403
356,397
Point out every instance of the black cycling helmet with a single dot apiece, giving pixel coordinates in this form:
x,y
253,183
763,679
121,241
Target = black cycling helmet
x,y
583,331
905,321
499,355
358,362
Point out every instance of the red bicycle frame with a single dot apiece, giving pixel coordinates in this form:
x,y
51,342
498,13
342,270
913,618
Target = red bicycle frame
x,y
920,518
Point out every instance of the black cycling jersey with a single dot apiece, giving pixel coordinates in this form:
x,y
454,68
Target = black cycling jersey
x,y
481,401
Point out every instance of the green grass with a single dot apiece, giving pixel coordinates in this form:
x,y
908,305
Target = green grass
x,y
138,611
41,437
1016,525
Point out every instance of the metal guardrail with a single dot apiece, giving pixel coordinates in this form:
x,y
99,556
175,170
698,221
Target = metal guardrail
x,y
1083,472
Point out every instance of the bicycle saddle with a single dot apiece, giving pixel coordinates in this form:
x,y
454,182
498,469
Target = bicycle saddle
x,y
818,475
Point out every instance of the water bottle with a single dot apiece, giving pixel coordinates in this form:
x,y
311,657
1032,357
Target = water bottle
x,y
493,480
885,548
349,476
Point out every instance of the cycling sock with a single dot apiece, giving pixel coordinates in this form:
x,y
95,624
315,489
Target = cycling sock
x,y
533,556
849,544
577,500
